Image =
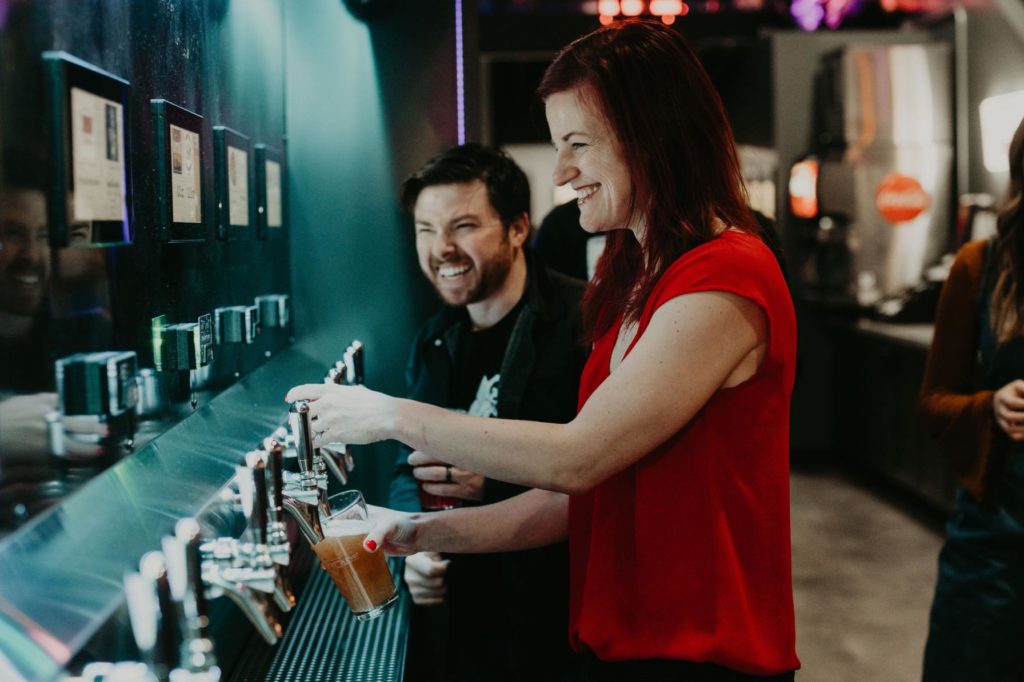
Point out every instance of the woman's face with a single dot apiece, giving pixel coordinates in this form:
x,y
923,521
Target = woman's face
x,y
589,158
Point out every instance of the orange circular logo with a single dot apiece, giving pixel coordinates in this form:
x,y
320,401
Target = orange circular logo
x,y
900,198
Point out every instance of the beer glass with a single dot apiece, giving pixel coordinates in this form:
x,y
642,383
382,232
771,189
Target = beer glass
x,y
431,502
363,577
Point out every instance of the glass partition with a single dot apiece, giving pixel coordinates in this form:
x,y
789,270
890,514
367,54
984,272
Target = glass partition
x,y
126,303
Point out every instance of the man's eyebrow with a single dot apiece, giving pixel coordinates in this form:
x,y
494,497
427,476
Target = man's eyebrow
x,y
464,216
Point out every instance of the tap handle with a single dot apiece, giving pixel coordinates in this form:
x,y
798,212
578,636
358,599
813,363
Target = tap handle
x,y
275,457
303,430
153,613
336,374
355,357
194,597
256,463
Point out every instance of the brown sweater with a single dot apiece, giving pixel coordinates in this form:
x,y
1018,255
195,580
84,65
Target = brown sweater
x,y
957,413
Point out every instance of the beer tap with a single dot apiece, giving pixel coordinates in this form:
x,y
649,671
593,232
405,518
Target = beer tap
x,y
277,532
355,358
306,495
336,455
185,576
215,568
256,553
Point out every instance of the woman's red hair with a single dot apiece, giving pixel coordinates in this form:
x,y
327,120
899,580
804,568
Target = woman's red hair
x,y
677,143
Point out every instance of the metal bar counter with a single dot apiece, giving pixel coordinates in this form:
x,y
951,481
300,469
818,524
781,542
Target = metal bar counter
x,y
324,641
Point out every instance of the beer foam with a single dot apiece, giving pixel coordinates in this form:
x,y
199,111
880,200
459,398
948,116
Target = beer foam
x,y
345,527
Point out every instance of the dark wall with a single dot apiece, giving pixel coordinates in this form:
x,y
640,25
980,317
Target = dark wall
x,y
367,104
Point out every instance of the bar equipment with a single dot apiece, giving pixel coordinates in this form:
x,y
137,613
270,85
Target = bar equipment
x,y
103,385
884,160
275,310
305,494
214,568
236,324
184,349
255,552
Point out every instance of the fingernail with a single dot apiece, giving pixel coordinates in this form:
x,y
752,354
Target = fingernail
x,y
371,545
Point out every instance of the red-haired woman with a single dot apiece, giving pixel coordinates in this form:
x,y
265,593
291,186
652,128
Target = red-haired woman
x,y
672,483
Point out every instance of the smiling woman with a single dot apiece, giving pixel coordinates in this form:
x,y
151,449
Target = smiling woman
x,y
672,481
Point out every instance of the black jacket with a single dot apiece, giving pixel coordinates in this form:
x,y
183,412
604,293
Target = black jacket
x,y
505,616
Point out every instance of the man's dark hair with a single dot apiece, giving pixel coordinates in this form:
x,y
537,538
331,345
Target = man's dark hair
x,y
507,187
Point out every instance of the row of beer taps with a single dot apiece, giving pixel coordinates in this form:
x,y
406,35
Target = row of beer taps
x,y
166,597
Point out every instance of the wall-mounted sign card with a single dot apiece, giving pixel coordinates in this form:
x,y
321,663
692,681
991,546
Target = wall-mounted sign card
x,y
231,169
270,207
178,170
238,186
89,193
186,194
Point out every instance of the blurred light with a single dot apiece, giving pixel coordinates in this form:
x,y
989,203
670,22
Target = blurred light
x,y
668,19
460,81
608,8
808,14
663,8
632,8
605,19
890,5
684,10
712,6
803,188
1000,116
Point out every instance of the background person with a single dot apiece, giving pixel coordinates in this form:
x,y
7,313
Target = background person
x,y
672,482
973,399
508,344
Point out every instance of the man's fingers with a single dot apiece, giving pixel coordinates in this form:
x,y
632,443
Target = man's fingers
x,y
443,489
431,473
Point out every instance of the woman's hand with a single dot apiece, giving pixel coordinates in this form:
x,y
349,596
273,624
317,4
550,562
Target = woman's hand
x,y
346,414
393,532
446,480
1008,406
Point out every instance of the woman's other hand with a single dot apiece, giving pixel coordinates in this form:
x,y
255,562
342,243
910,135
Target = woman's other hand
x,y
346,414
1008,406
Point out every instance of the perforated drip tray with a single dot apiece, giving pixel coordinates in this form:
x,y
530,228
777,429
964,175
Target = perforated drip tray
x,y
324,641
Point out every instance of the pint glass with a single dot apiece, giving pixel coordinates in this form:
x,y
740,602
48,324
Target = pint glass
x,y
363,577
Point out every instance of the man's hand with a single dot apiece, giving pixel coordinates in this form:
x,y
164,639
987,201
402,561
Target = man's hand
x,y
425,575
444,479
1008,406
23,429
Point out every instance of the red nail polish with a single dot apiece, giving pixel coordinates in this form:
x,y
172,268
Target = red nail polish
x,y
371,545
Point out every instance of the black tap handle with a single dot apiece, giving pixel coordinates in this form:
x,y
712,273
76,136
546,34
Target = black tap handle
x,y
168,638
303,431
187,532
254,460
275,453
355,357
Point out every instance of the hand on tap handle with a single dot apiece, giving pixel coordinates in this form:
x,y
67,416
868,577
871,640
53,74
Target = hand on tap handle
x,y
346,414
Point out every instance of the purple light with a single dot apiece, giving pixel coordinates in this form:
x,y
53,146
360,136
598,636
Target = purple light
x,y
808,14
460,83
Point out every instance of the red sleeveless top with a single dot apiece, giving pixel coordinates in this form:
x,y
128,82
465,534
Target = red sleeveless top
x,y
686,553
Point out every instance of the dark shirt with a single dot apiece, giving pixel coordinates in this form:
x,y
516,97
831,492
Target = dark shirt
x,y
505,616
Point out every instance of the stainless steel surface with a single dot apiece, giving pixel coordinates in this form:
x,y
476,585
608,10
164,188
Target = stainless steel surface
x,y
275,310
236,324
61,574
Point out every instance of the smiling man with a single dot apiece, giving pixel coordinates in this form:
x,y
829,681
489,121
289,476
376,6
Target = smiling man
x,y
506,345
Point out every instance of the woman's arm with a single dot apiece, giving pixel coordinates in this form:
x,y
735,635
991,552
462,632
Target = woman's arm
x,y
956,412
532,519
690,349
